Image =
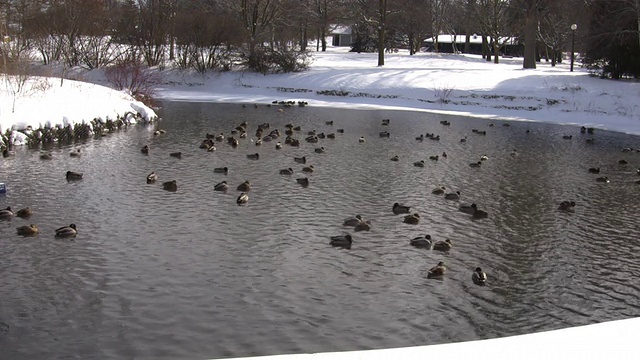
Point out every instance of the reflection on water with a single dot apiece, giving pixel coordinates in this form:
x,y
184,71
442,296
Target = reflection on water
x,y
157,274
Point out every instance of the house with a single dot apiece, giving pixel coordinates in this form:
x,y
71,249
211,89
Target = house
x,y
341,35
455,43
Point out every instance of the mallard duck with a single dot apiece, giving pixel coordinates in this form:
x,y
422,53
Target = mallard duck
x,y
567,137
339,131
594,170
439,190
445,122
303,181
258,142
220,137
603,179
400,209
288,171
234,142
361,139
353,221
468,209
385,134
627,149
319,150
341,241
476,164
480,214
443,245
221,186
331,136
623,162
434,157
71,176
6,213
385,122
444,154
464,139
211,148
591,141
145,149
242,199
437,271
419,163
170,185
177,154
75,153
590,130
420,138
422,242
244,187
412,219
567,205
479,277
363,226
159,132
395,158
255,156
484,157
46,156
300,160
27,230
221,170
67,231
24,213
151,178
308,169
330,123
452,196
514,153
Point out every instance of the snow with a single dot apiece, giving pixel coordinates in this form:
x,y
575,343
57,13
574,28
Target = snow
x,y
608,340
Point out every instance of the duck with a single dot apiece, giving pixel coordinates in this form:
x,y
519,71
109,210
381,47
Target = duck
x,y
308,169
145,149
353,221
75,153
220,137
420,138
341,241
590,141
319,150
422,242
67,231
484,157
567,137
177,154
385,122
170,185
594,170
339,131
476,164
437,271
363,226
479,277
412,219
480,214
452,196
434,157
159,132
300,160
71,176
514,153
567,205
46,156
6,213
303,181
400,209
623,162
221,170
361,139
419,163
439,190
255,156
443,245
278,145
468,209
244,187
288,171
27,230
331,136
444,154
24,213
603,179
258,142
385,134
242,199
330,123
151,178
395,158
464,139
445,122
221,186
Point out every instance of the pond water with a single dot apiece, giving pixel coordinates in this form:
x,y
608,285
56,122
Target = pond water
x,y
190,274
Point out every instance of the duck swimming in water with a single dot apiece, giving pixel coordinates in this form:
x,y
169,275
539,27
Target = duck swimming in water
x,y
437,271
170,185
439,190
468,209
288,171
27,230
341,241
479,277
452,196
244,187
221,186
73,176
395,158
24,213
412,219
308,169
221,170
567,206
443,245
400,209
151,178
303,181
363,226
67,231
242,199
6,213
300,160
353,221
422,242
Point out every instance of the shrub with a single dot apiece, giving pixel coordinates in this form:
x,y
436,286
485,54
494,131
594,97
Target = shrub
x,y
140,81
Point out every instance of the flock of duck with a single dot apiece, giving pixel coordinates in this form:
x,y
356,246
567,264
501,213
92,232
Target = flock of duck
x,y
264,134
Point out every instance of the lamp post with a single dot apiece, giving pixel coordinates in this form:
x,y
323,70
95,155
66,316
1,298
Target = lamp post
x,y
574,27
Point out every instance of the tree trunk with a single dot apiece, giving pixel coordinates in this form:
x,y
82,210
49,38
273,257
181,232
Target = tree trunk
x,y
496,51
323,38
553,57
382,9
530,28
467,42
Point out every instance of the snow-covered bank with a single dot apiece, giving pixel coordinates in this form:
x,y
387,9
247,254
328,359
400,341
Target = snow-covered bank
x,y
45,103
446,83
609,340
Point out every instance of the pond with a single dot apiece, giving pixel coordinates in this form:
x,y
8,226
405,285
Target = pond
x,y
190,274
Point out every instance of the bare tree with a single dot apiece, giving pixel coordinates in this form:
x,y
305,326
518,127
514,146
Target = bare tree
x,y
495,22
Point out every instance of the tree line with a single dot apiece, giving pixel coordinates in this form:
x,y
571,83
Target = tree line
x,y
274,35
